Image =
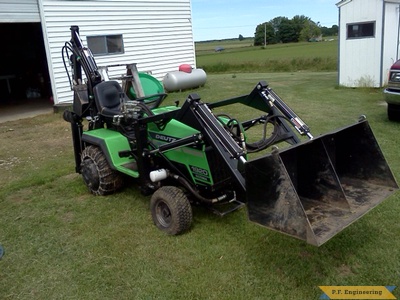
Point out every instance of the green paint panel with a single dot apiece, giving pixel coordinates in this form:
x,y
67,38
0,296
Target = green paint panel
x,y
194,159
114,143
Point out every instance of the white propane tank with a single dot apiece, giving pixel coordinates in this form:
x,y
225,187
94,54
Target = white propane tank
x,y
178,80
158,175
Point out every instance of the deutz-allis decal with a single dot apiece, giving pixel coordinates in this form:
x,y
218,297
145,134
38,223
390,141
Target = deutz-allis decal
x,y
162,137
200,174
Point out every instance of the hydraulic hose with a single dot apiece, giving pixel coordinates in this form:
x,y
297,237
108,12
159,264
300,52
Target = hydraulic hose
x,y
195,193
264,142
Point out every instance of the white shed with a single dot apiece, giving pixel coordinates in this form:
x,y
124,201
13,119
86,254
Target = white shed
x,y
154,34
368,41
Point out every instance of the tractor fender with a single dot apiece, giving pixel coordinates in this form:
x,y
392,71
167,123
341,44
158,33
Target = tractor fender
x,y
110,142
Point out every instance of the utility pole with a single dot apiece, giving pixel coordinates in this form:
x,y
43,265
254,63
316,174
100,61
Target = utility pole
x,y
265,35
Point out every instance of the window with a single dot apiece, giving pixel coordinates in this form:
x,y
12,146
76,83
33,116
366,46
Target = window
x,y
361,30
106,44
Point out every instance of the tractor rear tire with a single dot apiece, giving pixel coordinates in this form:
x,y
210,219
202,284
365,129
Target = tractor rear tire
x,y
171,210
97,174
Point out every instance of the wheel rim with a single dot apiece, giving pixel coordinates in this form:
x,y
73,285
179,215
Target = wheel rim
x,y
163,214
90,174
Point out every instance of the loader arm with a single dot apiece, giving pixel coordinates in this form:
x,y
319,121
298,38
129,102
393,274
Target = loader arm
x,y
198,115
263,98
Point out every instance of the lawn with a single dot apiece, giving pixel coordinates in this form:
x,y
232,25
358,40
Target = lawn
x,y
63,243
208,47
240,56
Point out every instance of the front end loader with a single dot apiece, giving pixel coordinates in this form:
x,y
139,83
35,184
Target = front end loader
x,y
188,155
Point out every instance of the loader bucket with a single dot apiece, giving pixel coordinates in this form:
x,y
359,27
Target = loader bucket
x,y
315,189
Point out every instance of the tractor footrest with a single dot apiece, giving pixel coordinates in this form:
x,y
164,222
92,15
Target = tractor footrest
x,y
227,208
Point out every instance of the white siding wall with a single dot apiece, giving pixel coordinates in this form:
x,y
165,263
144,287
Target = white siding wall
x,y
19,11
360,59
157,34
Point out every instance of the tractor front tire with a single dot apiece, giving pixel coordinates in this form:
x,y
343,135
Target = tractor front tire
x,y
171,210
97,174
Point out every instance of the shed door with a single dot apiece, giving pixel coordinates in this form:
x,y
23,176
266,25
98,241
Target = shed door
x,y
24,75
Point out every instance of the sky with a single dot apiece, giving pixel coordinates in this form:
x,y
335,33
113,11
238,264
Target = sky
x,y
222,19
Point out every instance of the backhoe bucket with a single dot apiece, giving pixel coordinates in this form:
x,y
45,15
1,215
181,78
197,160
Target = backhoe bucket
x,y
315,189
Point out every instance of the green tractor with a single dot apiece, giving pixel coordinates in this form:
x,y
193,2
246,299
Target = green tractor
x,y
188,155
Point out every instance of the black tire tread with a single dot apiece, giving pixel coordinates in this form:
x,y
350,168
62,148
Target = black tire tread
x,y
179,206
110,180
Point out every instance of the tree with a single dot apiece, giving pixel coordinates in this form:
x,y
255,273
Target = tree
x,y
287,31
299,23
335,29
311,30
264,33
284,30
278,30
241,38
276,22
330,31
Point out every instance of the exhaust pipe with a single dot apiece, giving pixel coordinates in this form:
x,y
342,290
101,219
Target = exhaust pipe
x,y
315,189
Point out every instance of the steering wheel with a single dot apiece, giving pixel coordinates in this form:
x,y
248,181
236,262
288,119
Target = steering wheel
x,y
153,100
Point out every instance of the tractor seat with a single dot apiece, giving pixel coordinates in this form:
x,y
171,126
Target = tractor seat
x,y
108,96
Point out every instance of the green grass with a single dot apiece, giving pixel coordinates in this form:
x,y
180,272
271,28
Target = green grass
x,y
63,243
239,57
229,44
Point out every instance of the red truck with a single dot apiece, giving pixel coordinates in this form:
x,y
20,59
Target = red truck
x,y
392,92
